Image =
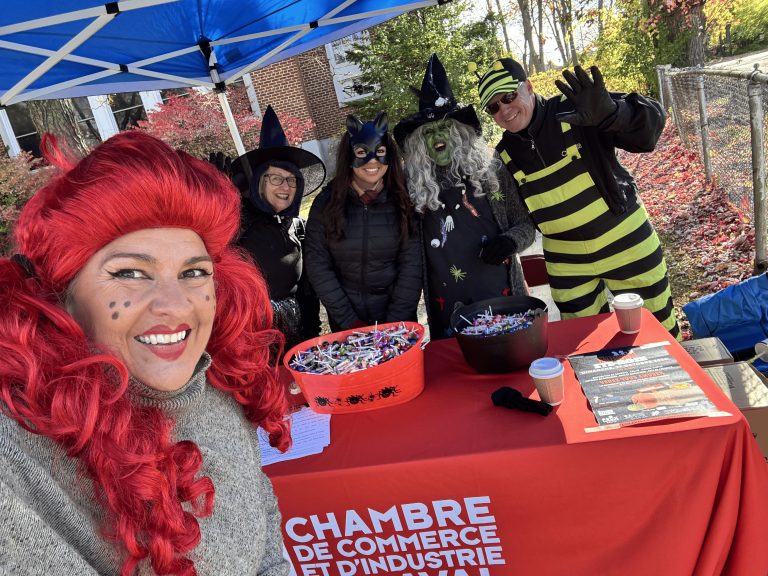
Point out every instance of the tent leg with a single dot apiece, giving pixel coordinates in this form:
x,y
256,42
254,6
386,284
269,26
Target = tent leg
x,y
224,103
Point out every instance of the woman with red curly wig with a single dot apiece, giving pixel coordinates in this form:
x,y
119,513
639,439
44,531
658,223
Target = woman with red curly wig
x,y
137,360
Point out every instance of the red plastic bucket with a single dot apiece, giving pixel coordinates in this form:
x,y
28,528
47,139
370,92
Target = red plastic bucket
x,y
387,384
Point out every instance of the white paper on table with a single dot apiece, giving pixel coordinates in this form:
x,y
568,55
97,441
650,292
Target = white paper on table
x,y
310,431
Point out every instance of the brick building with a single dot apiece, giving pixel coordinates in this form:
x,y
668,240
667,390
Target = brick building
x,y
309,85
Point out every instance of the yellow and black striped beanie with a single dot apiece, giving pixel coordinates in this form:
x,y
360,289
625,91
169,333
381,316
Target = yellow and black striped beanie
x,y
504,76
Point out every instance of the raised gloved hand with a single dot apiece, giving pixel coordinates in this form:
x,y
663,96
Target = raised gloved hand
x,y
224,164
591,100
498,249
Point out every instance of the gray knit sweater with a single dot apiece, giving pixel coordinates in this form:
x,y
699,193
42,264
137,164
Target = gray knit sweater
x,y
49,521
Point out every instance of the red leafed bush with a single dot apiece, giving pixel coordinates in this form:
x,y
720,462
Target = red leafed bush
x,y
195,123
20,178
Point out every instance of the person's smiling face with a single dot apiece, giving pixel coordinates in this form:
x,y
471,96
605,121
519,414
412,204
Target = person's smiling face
x,y
368,176
149,298
436,138
280,196
516,115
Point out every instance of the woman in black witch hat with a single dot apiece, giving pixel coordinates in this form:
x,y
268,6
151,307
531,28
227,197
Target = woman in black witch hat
x,y
362,245
472,220
276,177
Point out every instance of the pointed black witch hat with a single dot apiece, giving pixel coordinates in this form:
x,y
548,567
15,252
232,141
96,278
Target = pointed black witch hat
x,y
436,102
274,146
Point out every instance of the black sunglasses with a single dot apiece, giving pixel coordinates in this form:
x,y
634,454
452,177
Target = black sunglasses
x,y
506,98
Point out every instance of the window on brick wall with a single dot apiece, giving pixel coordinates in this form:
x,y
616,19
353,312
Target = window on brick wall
x,y
346,74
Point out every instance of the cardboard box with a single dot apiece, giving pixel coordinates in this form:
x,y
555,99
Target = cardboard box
x,y
748,389
707,351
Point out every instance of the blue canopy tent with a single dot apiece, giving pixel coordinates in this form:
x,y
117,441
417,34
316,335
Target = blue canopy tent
x,y
69,48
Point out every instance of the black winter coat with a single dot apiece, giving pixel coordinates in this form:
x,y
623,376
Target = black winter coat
x,y
369,275
275,244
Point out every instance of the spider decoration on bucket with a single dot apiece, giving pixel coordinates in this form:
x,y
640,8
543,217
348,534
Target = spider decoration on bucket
x,y
323,401
388,391
356,399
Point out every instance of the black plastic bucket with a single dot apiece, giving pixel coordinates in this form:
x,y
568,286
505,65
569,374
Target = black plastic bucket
x,y
498,353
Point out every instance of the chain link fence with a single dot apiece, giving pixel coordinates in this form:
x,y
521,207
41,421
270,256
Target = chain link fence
x,y
723,114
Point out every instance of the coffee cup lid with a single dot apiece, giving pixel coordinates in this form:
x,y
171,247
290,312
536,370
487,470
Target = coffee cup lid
x,y
627,300
545,367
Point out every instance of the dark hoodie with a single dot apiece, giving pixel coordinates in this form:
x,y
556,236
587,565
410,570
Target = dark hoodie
x,y
275,243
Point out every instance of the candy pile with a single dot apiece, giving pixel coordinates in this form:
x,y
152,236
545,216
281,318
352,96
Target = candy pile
x,y
358,351
487,323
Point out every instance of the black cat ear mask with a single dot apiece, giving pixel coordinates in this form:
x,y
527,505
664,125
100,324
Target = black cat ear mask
x,y
367,137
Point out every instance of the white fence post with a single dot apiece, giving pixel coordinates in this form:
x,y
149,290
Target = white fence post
x,y
704,127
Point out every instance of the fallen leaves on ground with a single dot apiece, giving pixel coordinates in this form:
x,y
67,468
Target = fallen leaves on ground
x,y
708,241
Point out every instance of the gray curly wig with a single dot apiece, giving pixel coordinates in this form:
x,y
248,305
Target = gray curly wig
x,y
470,159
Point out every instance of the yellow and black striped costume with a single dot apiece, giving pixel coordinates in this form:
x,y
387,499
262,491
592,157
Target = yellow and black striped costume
x,y
587,246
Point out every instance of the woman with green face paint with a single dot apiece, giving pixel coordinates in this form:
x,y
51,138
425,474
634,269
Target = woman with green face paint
x,y
436,137
472,221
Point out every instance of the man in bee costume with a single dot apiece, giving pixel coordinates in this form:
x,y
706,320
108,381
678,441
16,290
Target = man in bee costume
x,y
471,220
561,153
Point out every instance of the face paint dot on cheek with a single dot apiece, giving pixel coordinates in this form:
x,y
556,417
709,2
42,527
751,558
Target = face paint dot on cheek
x,y
126,304
207,298
112,304
115,315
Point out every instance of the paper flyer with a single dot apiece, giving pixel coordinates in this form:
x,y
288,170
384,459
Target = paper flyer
x,y
638,384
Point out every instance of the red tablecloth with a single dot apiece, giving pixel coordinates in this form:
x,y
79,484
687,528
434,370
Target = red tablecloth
x,y
450,485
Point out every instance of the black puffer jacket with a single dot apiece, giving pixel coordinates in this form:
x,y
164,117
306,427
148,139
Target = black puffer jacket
x,y
369,275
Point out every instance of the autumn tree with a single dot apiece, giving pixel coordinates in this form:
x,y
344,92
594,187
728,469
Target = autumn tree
x,y
194,122
61,118
399,49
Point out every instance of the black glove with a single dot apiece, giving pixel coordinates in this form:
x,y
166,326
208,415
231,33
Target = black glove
x,y
222,162
498,249
592,102
510,398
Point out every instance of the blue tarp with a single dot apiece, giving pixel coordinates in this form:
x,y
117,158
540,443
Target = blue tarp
x,y
738,315
67,48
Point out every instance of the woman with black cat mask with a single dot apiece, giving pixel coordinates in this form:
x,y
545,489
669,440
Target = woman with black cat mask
x,y
362,247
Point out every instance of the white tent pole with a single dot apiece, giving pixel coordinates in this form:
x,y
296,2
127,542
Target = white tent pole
x,y
78,39
222,94
326,20
76,15
268,55
231,123
374,13
9,138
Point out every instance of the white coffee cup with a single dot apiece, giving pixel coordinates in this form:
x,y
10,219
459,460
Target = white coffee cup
x,y
628,308
761,349
547,374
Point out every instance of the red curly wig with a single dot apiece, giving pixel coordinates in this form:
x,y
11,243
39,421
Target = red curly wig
x,y
54,384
